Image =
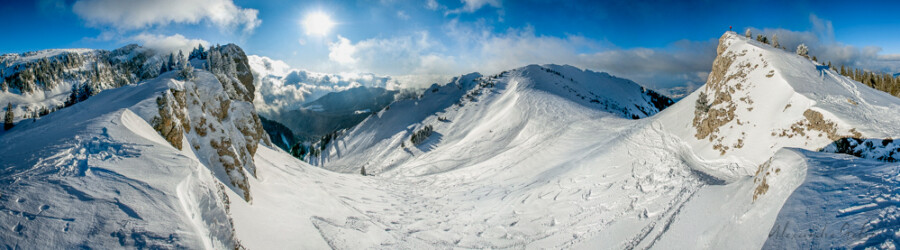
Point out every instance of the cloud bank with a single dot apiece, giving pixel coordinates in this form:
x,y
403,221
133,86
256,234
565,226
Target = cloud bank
x,y
139,14
822,44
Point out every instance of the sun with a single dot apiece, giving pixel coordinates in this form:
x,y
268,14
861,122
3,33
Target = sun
x,y
318,24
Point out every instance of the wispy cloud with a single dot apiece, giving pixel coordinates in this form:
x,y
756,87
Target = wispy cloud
x,y
125,15
168,44
419,59
470,6
821,41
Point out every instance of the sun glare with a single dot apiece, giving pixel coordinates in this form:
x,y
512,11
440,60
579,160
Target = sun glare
x,y
318,24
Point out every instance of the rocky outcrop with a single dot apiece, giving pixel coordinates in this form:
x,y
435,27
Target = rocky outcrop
x,y
710,115
214,111
171,122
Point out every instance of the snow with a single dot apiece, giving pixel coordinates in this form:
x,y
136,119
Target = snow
x,y
99,175
524,159
844,202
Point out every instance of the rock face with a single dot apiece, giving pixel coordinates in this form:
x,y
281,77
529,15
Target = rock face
x,y
214,112
709,116
759,98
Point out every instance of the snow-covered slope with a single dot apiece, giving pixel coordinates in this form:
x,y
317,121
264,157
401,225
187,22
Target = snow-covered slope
x,y
476,117
506,150
761,99
98,174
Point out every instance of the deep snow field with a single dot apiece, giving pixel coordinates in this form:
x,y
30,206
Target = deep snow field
x,y
537,157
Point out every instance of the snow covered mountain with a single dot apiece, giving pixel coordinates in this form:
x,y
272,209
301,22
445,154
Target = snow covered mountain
x,y
717,164
536,157
473,104
333,111
282,88
142,165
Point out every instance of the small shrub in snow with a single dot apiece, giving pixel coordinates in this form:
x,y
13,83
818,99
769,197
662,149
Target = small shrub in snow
x,y
186,73
419,136
702,104
8,121
775,41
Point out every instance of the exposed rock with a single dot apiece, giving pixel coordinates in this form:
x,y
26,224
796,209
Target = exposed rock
x,y
815,121
216,113
709,116
171,122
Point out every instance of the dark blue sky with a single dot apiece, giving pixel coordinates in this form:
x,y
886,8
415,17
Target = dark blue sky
x,y
670,41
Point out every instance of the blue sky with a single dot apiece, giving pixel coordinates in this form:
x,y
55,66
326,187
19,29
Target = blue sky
x,y
656,43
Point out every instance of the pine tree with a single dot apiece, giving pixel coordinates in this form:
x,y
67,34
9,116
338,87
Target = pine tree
x,y
198,53
8,121
170,64
747,33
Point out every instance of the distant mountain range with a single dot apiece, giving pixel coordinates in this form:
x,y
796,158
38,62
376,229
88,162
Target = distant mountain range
x,y
332,112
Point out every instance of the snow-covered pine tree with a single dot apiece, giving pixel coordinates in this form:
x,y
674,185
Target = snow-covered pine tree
x,y
185,70
747,33
775,41
802,50
8,120
198,53
170,64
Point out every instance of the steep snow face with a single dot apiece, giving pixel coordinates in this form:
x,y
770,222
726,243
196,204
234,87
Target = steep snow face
x,y
759,99
97,174
282,88
473,110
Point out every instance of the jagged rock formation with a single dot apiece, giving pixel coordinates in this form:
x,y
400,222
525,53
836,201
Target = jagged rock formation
x,y
216,113
749,93
211,114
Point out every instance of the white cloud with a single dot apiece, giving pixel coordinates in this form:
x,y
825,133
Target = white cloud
x,y
140,14
418,59
402,15
822,43
470,6
432,5
342,51
168,44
